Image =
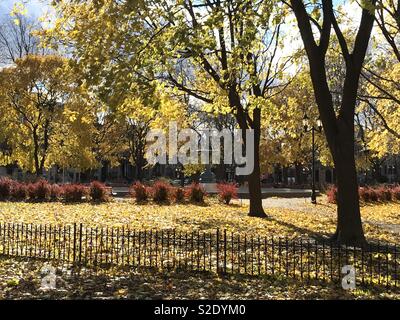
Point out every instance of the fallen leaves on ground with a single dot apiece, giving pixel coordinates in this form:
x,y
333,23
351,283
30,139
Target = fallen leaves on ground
x,y
307,220
21,279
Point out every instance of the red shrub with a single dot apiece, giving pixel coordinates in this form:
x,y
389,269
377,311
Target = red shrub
x,y
56,192
98,192
161,191
383,194
20,191
227,192
40,191
139,191
331,193
196,193
372,194
364,193
179,194
395,193
31,190
75,192
6,186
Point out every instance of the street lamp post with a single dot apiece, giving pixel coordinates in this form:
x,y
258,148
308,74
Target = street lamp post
x,y
365,150
312,129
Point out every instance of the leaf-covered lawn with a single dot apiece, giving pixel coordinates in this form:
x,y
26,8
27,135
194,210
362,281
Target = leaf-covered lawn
x,y
382,221
21,279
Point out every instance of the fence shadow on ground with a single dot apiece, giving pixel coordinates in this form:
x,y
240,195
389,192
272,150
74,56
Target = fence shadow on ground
x,y
149,283
219,251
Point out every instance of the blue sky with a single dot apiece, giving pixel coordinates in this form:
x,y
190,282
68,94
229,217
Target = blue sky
x,y
35,7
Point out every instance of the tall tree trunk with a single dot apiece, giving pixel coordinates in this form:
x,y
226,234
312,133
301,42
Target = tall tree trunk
x,y
39,172
255,196
38,168
140,163
339,129
298,168
254,179
349,227
285,173
339,133
45,146
104,171
139,172
220,171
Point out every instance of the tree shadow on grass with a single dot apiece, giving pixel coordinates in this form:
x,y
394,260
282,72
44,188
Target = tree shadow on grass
x,y
176,284
233,205
319,237
213,224
373,244
325,205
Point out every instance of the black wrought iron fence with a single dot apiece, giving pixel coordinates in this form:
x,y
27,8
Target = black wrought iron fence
x,y
217,251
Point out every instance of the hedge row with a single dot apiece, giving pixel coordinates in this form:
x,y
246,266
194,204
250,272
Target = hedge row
x,y
42,190
163,192
370,194
160,192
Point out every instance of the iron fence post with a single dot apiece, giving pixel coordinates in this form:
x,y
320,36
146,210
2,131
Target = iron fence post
x,y
225,251
74,245
217,243
80,243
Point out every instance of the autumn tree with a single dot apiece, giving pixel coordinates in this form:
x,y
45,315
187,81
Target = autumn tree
x,y
17,38
136,114
285,143
338,127
379,99
33,95
222,53
388,21
232,46
84,136
380,107
111,70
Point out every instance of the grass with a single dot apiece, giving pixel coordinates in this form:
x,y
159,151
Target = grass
x,y
306,220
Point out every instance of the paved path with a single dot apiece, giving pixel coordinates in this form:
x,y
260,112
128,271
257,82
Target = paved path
x,y
292,203
243,192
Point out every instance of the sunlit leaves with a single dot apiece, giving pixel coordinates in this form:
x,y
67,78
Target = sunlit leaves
x,y
382,112
300,219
